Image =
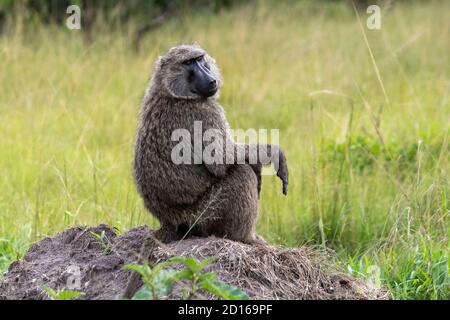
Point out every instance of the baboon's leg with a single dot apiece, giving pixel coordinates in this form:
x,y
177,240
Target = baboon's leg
x,y
168,221
266,154
257,168
232,207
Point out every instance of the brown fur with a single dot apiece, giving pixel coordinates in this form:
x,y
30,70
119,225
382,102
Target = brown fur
x,y
204,199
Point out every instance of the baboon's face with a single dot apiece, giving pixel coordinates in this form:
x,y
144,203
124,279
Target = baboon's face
x,y
200,78
189,73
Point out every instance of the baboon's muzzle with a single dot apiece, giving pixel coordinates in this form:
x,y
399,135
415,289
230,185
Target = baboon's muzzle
x,y
203,82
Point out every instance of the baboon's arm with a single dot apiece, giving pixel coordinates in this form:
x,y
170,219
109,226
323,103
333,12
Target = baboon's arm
x,y
265,154
231,153
255,155
219,168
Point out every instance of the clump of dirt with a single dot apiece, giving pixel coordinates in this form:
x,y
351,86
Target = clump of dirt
x,y
264,272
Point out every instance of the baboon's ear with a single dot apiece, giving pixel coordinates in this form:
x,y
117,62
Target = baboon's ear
x,y
160,61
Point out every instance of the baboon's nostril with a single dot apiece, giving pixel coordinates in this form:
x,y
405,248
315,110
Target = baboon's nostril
x,y
213,82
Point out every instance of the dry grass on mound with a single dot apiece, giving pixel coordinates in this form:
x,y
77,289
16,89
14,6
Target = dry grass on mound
x,y
264,272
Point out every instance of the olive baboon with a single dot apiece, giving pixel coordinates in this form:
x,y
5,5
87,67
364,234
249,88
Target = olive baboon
x,y
200,199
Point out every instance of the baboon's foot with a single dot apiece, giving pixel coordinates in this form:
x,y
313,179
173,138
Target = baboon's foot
x,y
258,240
254,240
185,231
166,234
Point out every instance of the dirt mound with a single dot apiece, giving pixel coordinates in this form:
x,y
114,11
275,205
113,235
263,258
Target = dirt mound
x,y
264,272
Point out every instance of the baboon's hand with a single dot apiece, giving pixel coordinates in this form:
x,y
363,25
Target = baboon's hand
x,y
282,171
218,170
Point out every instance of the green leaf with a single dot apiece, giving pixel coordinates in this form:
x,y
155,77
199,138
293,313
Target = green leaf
x,y
143,294
193,264
206,262
51,293
61,294
190,263
161,265
143,270
69,295
223,290
184,274
163,281
208,276
95,234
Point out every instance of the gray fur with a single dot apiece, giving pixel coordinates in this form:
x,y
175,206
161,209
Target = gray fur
x,y
217,199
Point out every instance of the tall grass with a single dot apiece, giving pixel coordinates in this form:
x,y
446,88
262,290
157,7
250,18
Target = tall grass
x,y
368,152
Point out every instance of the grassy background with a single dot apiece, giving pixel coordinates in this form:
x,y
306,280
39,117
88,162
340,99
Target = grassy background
x,y
368,156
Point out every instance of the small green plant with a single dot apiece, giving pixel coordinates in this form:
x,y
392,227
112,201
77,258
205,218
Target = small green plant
x,y
104,242
9,251
61,294
159,280
363,151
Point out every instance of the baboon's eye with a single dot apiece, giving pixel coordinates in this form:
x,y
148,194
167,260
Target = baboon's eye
x,y
199,58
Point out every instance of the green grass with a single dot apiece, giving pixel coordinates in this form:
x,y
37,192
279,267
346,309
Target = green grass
x,y
369,172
